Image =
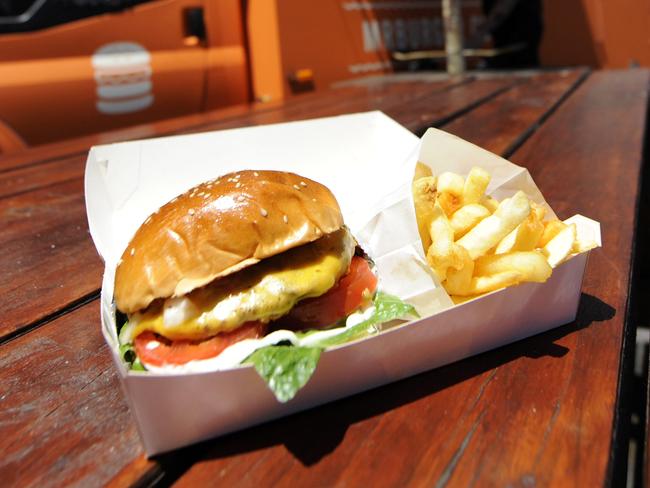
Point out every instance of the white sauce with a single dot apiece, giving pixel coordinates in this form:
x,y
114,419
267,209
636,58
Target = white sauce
x,y
178,310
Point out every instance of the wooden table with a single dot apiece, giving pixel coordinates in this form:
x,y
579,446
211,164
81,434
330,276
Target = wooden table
x,y
547,411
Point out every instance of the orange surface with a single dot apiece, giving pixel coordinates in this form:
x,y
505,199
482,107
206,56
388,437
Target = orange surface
x,y
337,39
598,33
48,89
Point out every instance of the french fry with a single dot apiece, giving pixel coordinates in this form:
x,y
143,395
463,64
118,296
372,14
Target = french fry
x,y
443,253
476,245
486,284
582,246
450,192
532,265
559,248
424,199
457,299
551,229
475,184
459,280
421,171
451,183
507,243
449,203
540,212
529,231
467,217
489,231
490,203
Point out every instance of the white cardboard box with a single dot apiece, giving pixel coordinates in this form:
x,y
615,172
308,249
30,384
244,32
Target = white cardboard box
x,y
367,160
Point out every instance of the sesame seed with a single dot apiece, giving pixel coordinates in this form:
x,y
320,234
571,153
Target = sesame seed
x,y
201,193
52,246
206,196
238,185
241,198
302,183
256,173
209,186
263,212
148,220
296,187
119,262
286,219
191,211
313,199
132,251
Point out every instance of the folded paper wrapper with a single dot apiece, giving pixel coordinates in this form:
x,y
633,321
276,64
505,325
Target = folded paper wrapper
x,y
368,161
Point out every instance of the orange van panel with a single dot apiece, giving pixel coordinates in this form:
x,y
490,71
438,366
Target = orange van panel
x,y
294,41
227,80
598,33
120,69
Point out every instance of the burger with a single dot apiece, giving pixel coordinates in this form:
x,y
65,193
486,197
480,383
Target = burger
x,y
234,259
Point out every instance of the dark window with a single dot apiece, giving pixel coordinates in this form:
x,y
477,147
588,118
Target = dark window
x,y
31,15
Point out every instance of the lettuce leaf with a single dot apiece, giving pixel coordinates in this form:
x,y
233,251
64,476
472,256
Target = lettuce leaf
x,y
387,308
130,358
286,369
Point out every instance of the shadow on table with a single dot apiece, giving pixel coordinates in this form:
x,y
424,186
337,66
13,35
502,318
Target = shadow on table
x,y
312,434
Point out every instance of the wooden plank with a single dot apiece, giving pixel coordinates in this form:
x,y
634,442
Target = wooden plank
x,y
416,110
31,176
63,416
597,143
372,86
508,119
197,122
399,100
536,413
21,180
416,104
47,257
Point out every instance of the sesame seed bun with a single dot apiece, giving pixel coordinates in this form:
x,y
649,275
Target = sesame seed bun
x,y
218,228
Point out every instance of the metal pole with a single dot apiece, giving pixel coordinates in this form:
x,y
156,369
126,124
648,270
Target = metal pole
x,y
453,20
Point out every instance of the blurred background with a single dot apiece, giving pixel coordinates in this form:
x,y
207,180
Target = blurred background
x,y
75,67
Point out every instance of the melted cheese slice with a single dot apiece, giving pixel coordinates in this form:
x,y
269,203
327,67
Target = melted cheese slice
x,y
264,292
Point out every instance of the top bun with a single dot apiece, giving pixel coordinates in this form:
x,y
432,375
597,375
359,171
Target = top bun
x,y
220,227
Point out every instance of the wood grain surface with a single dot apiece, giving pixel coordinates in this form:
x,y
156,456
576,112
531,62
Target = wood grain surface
x,y
540,412
504,122
48,259
199,122
64,419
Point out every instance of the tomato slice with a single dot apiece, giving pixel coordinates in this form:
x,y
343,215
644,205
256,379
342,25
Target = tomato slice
x,y
348,295
183,351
